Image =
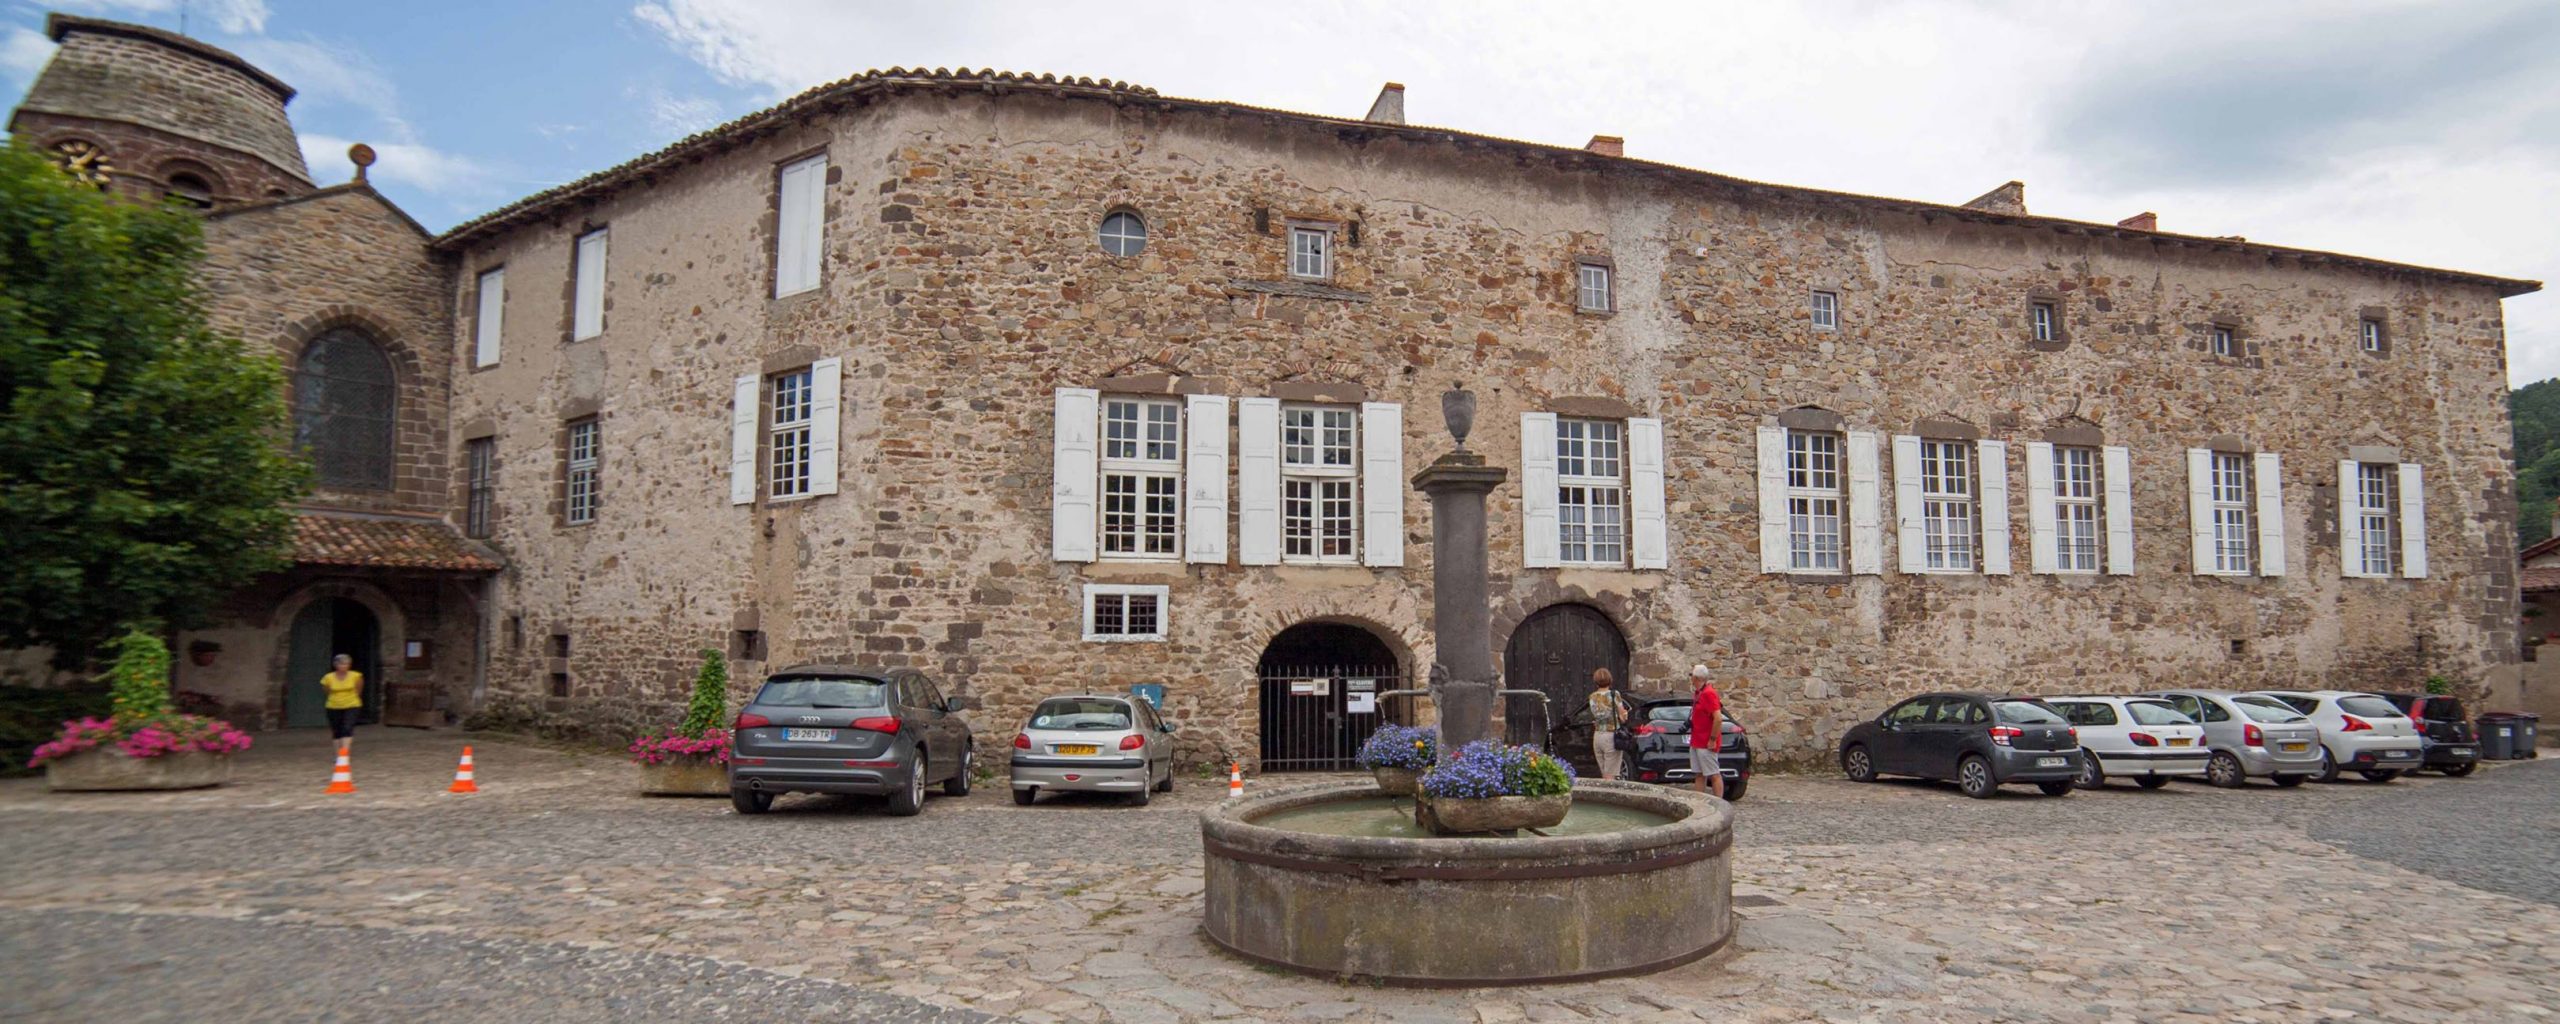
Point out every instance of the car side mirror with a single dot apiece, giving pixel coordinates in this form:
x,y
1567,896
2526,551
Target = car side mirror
x,y
960,704
1167,727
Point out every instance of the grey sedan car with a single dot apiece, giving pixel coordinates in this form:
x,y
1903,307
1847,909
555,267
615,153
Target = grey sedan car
x,y
1093,743
848,729
2253,736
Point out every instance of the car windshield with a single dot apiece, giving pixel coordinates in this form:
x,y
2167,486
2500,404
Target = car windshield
x,y
2018,712
1667,714
824,693
2266,709
1080,713
2154,713
2369,707
2444,709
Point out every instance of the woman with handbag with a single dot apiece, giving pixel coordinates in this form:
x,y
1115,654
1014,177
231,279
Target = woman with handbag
x,y
1608,711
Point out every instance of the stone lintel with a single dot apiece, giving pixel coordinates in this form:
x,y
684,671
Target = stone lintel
x,y
1592,407
2373,453
1319,391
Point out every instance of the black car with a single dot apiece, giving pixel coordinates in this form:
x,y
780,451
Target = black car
x,y
2447,741
1979,741
847,729
1655,742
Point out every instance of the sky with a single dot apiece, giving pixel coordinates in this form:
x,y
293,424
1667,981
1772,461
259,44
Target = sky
x,y
2423,133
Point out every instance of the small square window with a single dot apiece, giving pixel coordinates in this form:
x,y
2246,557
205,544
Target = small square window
x,y
515,632
747,645
1122,613
2369,334
1826,311
559,645
2042,325
2225,343
559,684
1591,288
1311,253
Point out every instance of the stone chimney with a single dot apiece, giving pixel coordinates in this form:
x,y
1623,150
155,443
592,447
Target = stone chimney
x,y
1606,145
2008,198
2144,221
1389,107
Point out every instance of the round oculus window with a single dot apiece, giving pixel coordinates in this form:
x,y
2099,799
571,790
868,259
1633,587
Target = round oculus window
x,y
1123,234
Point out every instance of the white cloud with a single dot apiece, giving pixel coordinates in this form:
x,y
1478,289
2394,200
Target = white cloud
x,y
23,53
399,163
1933,99
327,72
673,116
237,17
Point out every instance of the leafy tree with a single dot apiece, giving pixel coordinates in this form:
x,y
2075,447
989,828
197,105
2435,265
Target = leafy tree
x,y
710,696
144,463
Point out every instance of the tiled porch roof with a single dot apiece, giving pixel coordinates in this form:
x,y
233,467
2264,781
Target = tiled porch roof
x,y
387,542
2541,580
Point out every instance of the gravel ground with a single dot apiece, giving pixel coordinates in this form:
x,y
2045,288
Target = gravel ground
x,y
2497,833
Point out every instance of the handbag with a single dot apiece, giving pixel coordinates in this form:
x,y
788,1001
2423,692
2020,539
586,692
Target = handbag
x,y
1619,738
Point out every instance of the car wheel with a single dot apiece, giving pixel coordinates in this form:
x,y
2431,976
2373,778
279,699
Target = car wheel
x,y
906,802
2460,770
2287,781
750,801
2224,770
958,783
2056,788
2152,781
2092,774
1167,785
1974,777
1734,788
2379,776
1141,797
1023,796
1859,766
2328,767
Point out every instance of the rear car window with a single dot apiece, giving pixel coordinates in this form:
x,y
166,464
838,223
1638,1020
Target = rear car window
x,y
2444,709
1068,713
2018,712
2301,704
1667,714
824,693
2266,709
2154,713
2369,707
2082,712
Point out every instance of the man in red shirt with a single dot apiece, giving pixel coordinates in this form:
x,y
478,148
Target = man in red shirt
x,y
1706,732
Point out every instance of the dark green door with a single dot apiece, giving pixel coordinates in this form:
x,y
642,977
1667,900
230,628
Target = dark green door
x,y
324,630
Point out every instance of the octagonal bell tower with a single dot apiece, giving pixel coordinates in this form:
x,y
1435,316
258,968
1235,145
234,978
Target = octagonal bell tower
x,y
148,113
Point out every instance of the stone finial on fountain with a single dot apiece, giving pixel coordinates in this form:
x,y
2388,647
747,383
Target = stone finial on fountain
x,y
1458,408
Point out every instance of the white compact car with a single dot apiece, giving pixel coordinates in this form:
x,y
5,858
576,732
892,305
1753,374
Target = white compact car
x,y
2140,738
2360,732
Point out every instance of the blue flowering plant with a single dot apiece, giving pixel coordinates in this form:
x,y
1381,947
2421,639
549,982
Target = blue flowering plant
x,y
1489,768
1409,747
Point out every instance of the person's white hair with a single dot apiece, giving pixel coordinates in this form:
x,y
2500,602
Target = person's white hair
x,y
1698,671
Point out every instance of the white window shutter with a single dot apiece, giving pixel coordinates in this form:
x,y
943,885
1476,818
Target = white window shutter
x,y
1075,477
1911,533
826,422
799,225
1772,470
1991,464
1648,521
587,318
2350,524
743,421
2200,508
2117,466
2040,532
2413,522
1866,505
1205,489
1258,481
1540,545
492,318
2270,476
1382,483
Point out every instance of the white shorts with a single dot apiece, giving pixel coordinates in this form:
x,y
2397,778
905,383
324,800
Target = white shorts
x,y
1703,761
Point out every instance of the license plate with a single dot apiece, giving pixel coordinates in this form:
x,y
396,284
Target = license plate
x,y
2399,753
2462,751
2178,742
2294,748
1078,748
2052,762
809,735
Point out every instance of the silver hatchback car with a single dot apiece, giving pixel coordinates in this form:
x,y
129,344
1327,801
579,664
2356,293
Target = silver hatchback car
x,y
1094,743
2361,732
2252,736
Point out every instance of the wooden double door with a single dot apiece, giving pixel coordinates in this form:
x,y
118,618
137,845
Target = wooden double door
x,y
1554,651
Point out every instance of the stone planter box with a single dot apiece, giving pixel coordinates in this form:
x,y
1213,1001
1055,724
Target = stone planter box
x,y
106,768
1492,814
1396,781
685,778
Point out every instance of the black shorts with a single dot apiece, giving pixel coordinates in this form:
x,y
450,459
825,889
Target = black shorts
x,y
342,722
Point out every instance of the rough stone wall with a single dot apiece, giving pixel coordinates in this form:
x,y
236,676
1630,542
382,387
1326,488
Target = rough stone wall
x,y
962,285
254,629
142,159
118,76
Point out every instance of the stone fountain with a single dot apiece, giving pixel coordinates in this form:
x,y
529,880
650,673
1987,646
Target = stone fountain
x,y
1337,879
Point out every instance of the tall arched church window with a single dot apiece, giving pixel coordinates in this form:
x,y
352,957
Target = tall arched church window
x,y
345,408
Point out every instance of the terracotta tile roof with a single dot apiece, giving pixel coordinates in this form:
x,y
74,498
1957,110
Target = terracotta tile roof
x,y
2539,548
2538,581
863,87
388,542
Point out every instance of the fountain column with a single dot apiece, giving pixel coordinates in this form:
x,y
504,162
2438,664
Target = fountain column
x,y
1462,683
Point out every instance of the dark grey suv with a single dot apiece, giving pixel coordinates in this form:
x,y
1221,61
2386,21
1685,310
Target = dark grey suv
x,y
847,729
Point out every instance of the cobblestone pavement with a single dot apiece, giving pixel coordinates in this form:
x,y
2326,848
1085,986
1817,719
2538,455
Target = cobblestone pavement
x,y
557,894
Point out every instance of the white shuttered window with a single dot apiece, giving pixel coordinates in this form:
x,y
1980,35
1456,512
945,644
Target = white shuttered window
x,y
491,321
800,225
1141,478
1947,510
1814,502
1382,483
2075,509
586,317
1319,483
1073,467
1591,495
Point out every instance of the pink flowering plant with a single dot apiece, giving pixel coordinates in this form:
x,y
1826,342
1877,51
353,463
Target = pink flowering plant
x,y
712,747
143,724
699,737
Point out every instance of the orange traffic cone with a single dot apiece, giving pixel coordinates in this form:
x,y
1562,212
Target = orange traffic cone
x,y
462,776
1235,780
342,779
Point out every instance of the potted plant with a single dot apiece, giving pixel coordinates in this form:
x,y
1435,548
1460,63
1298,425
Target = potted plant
x,y
1396,756
693,758
1490,786
143,743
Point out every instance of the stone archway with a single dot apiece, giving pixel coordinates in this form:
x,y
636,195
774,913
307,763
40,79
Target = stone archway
x,y
322,630
1554,651
334,599
1317,696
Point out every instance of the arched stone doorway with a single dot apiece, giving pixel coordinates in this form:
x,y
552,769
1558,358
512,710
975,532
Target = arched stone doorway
x,y
325,628
1553,652
1320,682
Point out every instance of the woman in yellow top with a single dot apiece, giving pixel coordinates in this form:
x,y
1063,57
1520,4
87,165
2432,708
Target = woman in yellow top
x,y
345,687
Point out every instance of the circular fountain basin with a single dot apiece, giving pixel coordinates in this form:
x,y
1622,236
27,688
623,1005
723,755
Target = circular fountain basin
x,y
1335,879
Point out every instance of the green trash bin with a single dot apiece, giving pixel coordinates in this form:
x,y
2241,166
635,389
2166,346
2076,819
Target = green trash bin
x,y
2528,738
2497,736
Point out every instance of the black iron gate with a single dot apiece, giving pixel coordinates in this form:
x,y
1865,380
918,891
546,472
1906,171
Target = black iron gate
x,y
1315,717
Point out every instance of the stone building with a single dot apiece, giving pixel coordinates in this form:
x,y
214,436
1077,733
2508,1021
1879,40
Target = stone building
x,y
1050,385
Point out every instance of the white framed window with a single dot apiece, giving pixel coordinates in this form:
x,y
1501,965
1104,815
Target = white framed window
x,y
1311,252
580,495
1123,233
492,318
1947,504
2230,508
2369,334
1813,500
2225,343
2076,494
2040,321
793,395
800,228
1122,613
1591,288
1826,311
1319,483
1141,469
2377,498
1591,492
586,317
